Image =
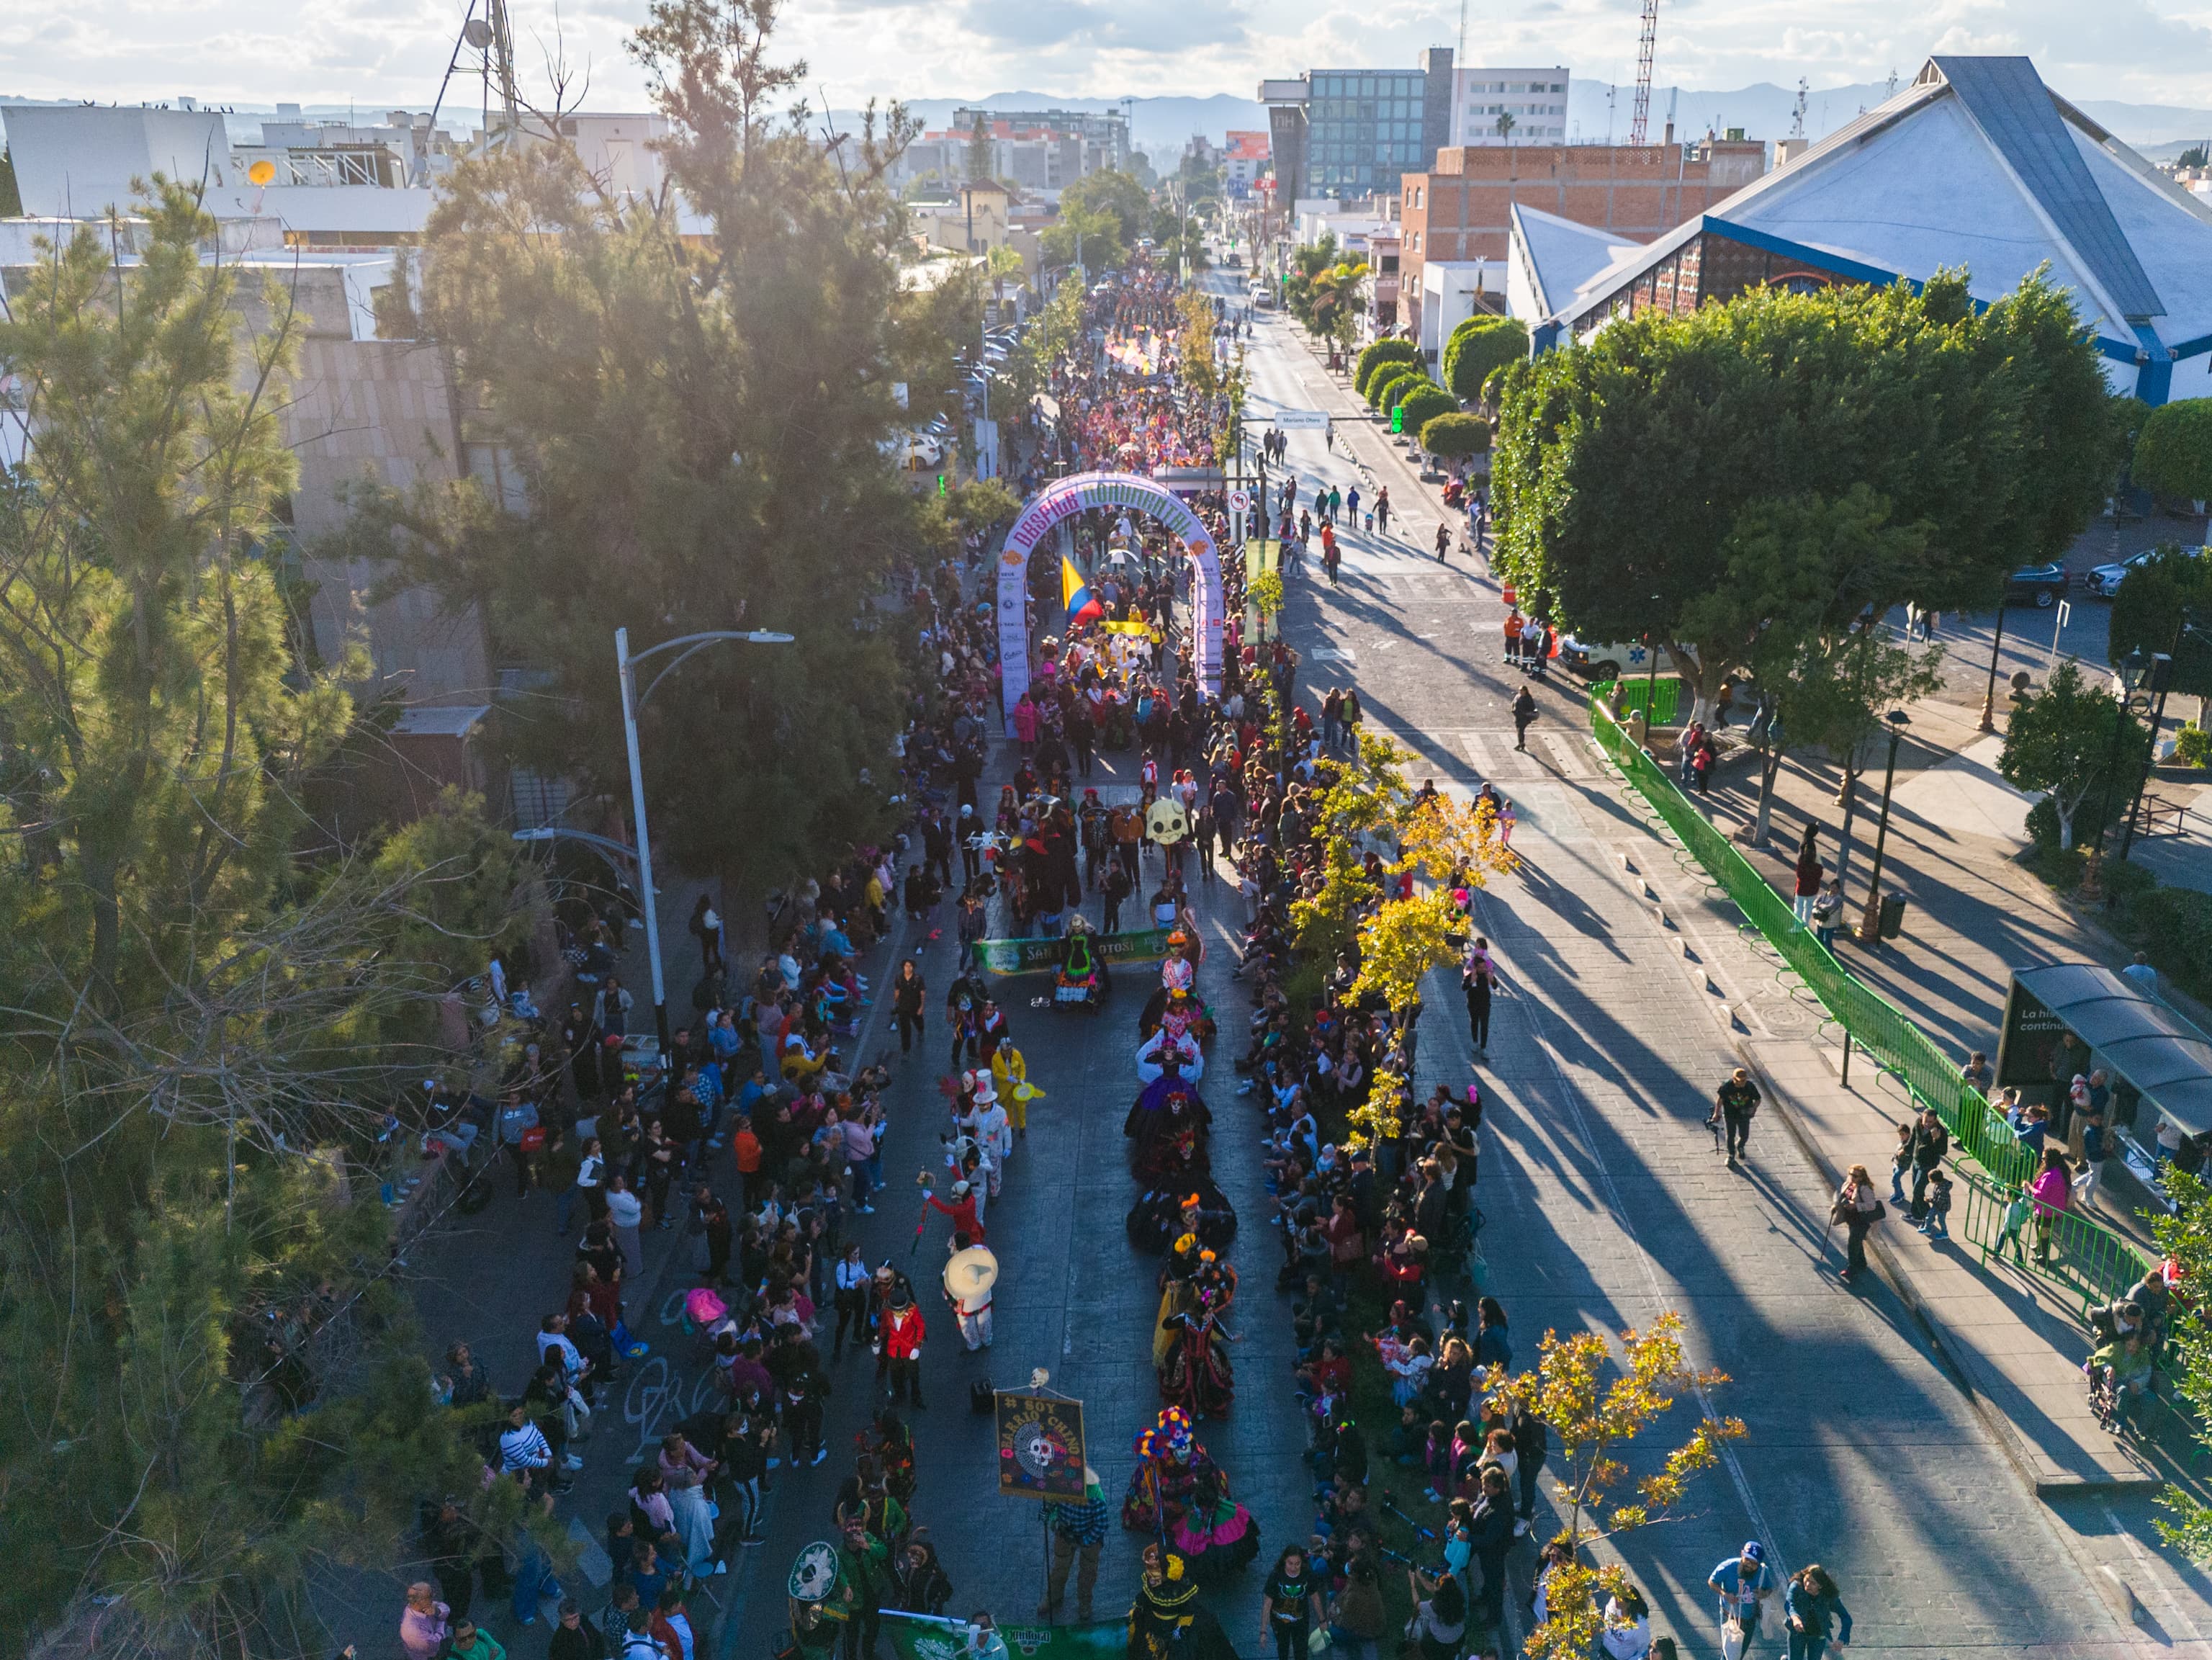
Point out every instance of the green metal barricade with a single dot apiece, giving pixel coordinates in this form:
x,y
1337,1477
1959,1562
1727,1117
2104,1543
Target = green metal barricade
x,y
1666,697
2092,1260
2094,1264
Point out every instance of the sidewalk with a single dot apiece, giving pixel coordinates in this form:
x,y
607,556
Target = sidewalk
x,y
1975,912
2017,1348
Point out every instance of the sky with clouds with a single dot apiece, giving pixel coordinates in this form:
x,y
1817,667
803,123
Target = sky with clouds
x,y
390,53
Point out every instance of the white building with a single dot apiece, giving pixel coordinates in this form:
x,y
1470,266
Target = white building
x,y
1453,290
1976,166
1536,101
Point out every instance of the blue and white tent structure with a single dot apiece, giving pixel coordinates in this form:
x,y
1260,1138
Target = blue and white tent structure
x,y
1978,164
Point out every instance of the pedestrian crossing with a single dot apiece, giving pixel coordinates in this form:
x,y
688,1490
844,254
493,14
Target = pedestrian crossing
x,y
1489,753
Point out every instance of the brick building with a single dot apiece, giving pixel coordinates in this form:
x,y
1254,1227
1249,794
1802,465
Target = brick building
x,y
1461,208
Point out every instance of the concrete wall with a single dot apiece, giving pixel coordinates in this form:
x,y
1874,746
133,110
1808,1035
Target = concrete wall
x,y
78,160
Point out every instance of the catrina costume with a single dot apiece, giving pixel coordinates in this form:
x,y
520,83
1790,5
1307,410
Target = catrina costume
x,y
1199,1208
1170,1463
1167,1129
1195,1371
1217,1536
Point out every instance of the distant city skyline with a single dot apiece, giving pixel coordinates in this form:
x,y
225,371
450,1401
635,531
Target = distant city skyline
x,y
391,53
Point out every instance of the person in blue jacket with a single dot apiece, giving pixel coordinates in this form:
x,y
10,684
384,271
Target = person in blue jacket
x,y
1810,1609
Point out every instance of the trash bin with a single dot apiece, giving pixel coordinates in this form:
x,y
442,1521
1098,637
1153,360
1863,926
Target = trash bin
x,y
1893,914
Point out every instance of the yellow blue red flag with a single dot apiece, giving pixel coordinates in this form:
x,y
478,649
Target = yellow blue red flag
x,y
1075,595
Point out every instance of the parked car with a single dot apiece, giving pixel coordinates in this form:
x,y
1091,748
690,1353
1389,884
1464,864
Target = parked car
x,y
2040,586
2105,580
1599,660
1263,296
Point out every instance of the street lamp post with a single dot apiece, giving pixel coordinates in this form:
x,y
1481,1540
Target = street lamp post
x,y
2161,680
1870,923
1650,677
632,700
2130,671
1989,722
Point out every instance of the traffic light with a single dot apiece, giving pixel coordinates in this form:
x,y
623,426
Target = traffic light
x,y
1397,419
940,484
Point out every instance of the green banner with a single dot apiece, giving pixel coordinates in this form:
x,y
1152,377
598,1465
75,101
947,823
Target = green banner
x,y
918,1636
1043,956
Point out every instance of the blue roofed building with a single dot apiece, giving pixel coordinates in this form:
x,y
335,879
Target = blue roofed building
x,y
1977,165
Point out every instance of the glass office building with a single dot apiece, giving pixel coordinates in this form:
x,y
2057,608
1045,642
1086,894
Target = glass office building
x,y
1358,130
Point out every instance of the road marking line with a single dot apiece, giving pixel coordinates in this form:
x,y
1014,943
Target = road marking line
x,y
2149,1565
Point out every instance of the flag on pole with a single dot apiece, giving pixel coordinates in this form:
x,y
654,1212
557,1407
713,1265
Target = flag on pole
x,y
1075,595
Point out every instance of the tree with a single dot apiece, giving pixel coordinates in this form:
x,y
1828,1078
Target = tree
x,y
2150,604
1626,468
700,433
1377,353
1117,194
1392,382
2060,742
2173,451
204,1026
1456,436
1595,1414
1834,693
1086,235
1478,347
1001,265
2185,1237
979,150
1335,294
11,196
1424,403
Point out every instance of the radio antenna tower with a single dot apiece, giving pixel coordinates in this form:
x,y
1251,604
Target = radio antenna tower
x,y
1797,115
1641,117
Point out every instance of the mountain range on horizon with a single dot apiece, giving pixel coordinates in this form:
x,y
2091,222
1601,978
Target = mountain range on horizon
x,y
1160,126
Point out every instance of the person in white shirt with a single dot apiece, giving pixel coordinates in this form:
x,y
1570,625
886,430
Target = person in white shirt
x,y
627,1212
972,1312
985,1120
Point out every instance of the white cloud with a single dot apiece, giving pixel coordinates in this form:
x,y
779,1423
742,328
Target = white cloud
x,y
390,54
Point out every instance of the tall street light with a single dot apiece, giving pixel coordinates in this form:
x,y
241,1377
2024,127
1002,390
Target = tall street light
x,y
1989,722
2162,682
1870,924
632,700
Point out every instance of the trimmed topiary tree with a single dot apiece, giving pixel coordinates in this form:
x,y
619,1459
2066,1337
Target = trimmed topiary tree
x,y
1382,352
1424,403
1456,436
1476,347
2174,455
1402,387
1381,389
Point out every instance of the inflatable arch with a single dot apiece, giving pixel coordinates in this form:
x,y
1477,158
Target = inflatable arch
x,y
1065,496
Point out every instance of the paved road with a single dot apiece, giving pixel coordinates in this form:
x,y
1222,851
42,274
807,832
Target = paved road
x,y
1606,1203
1862,1453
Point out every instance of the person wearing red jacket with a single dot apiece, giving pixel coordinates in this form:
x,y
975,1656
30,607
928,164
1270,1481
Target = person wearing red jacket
x,y
962,1210
898,1339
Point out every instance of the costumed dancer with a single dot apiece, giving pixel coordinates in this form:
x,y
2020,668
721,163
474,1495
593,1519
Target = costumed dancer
x,y
1165,1622
1195,1374
1217,1534
1170,1462
1168,1127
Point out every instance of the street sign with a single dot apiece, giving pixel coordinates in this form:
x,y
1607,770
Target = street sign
x,y
1239,502
1300,420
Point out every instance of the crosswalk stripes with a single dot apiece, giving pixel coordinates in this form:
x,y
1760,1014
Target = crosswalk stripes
x,y
1570,752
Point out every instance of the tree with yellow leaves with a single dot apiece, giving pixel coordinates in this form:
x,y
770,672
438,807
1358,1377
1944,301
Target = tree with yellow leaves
x,y
1595,1409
